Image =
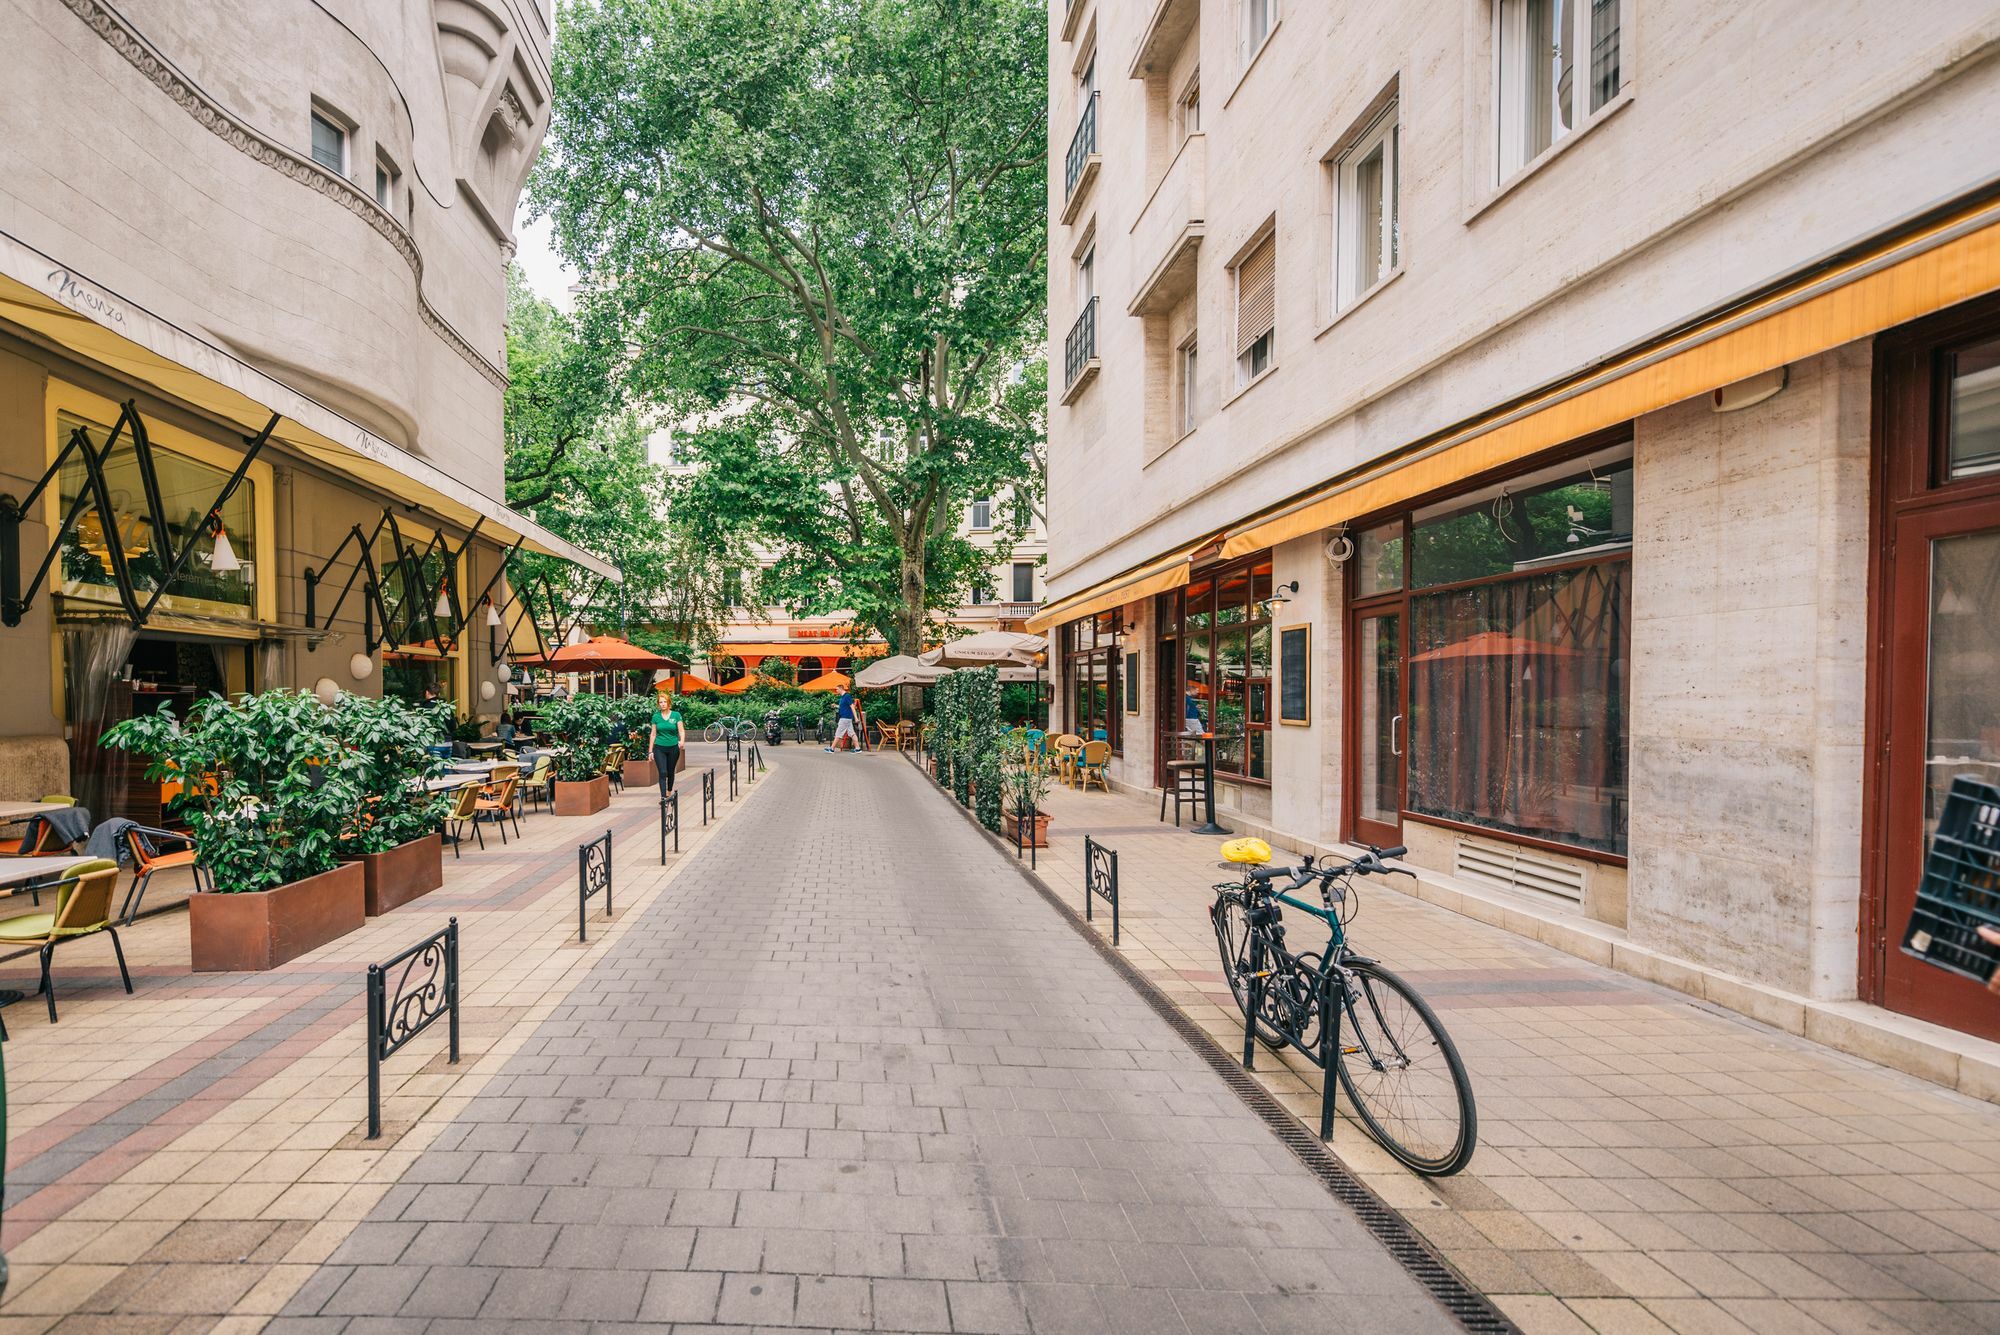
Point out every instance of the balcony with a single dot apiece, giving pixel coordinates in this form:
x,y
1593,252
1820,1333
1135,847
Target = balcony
x,y
1080,167
1166,236
1080,363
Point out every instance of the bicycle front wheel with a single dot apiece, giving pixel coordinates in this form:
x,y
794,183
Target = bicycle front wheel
x,y
1403,1073
712,733
1232,942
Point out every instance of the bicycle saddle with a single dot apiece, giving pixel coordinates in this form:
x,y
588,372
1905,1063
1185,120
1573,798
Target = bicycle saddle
x,y
1253,852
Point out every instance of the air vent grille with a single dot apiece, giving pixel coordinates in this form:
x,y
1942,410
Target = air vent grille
x,y
1513,867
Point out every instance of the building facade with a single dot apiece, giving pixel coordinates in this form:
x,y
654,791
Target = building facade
x,y
252,297
1563,438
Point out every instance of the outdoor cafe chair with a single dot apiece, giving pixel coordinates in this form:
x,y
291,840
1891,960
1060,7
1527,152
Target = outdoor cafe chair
x,y
37,838
83,908
464,811
1093,766
535,788
1068,746
614,765
147,858
495,800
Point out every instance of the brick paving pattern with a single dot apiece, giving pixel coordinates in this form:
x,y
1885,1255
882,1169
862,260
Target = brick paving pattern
x,y
1647,1162
849,1072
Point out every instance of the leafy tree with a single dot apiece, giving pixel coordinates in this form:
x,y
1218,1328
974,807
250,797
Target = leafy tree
x,y
826,219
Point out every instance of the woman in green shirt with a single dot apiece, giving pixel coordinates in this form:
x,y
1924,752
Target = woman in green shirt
x,y
668,735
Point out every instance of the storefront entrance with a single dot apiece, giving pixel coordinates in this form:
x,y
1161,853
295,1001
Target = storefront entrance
x,y
1935,687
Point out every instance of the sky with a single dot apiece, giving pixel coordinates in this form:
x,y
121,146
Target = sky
x,y
546,274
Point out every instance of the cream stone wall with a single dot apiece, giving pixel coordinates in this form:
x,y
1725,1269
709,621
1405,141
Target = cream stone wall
x,y
1749,640
1746,143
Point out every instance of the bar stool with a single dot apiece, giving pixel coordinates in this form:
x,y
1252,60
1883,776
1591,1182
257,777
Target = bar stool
x,y
1183,785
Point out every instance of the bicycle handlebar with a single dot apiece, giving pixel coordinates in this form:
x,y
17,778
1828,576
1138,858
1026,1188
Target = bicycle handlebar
x,y
1371,862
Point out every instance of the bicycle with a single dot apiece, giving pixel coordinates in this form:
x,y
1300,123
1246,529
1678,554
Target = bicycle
x,y
1399,1067
728,726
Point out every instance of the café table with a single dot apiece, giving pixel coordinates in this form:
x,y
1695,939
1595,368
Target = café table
x,y
1209,824
15,874
446,783
483,748
10,812
478,766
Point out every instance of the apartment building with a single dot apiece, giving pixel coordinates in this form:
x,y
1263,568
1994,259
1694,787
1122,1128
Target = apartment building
x,y
252,356
1562,436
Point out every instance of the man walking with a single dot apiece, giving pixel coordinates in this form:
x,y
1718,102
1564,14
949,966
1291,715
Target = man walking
x,y
844,725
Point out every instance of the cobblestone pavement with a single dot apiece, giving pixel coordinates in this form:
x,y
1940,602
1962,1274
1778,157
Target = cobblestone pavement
x,y
1647,1162
849,1072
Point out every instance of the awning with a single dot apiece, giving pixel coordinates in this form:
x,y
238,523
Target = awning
x,y
794,650
1143,582
77,316
1883,285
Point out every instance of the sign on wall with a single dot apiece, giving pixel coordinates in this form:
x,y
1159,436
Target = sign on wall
x,y
1132,683
1295,675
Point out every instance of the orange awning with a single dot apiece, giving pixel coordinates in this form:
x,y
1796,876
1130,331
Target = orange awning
x,y
797,649
829,682
1157,577
688,681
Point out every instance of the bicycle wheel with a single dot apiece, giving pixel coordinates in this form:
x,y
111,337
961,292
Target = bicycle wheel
x,y
1232,941
712,733
1404,1075
745,728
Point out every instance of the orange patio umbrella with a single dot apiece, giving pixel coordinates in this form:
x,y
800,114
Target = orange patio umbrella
x,y
606,653
829,682
688,681
744,683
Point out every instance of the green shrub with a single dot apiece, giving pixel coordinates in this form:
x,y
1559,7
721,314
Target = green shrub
x,y
390,739
585,725
271,786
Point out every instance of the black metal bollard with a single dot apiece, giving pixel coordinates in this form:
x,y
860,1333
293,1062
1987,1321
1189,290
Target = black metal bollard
x,y
707,794
394,1021
593,873
1100,880
732,778
670,823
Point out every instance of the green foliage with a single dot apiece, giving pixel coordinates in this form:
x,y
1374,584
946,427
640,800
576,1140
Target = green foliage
x,y
967,740
272,790
1024,782
585,726
388,738
1021,702
821,229
635,719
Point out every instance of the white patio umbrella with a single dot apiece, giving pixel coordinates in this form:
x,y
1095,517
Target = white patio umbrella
x,y
898,670
986,648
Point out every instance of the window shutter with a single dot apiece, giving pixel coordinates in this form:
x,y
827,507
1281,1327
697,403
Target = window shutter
x,y
1256,294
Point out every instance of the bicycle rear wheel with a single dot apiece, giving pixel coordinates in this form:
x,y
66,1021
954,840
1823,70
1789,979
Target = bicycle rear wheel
x,y
1403,1073
1232,942
712,733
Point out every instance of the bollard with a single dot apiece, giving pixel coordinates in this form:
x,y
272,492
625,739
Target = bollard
x,y
392,1022
593,874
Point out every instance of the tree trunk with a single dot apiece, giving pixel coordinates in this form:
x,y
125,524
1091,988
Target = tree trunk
x,y
910,617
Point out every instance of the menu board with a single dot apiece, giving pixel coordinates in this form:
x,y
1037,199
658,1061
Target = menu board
x,y
1295,675
1132,683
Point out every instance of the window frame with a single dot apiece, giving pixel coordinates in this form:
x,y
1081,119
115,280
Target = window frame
x,y
1027,569
321,114
1249,368
1510,156
1383,132
972,517
1177,631
1187,107
1187,381
1251,46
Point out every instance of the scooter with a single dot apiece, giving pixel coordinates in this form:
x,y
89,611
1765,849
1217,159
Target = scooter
x,y
774,727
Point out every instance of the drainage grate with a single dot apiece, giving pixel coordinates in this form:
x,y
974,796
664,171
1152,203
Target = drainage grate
x,y
1405,1244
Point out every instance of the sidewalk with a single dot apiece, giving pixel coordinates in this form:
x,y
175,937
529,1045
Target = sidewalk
x,y
197,1149
1646,1162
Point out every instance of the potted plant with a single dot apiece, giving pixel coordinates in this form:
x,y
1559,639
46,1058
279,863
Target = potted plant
x,y
581,730
636,718
1025,782
269,792
394,832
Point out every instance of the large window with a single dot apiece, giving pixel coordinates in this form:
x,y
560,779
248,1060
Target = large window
x,y
1366,185
1519,605
1556,64
329,143
1259,17
187,489
1090,668
1220,627
1256,309
1024,582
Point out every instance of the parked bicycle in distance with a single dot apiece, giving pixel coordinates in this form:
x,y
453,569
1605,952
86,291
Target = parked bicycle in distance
x,y
1387,1049
729,725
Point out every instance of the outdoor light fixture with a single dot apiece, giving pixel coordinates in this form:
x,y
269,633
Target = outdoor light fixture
x,y
360,667
223,560
1280,595
327,690
487,690
492,614
504,672
443,608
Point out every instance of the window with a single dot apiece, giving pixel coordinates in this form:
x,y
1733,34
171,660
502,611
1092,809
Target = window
x,y
1086,79
329,143
388,184
981,593
1086,275
982,512
1256,308
1024,582
1221,625
1538,46
1090,661
1259,17
1366,186
1187,384
1973,427
1190,108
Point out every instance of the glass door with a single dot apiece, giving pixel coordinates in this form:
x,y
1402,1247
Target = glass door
x,y
1376,759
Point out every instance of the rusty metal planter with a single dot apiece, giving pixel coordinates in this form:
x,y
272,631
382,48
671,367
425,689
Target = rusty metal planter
x,y
261,929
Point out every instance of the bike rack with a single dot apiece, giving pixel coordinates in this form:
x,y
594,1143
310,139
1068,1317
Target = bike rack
x,y
707,794
1329,1034
593,873
732,778
392,1022
670,823
1024,835
1100,879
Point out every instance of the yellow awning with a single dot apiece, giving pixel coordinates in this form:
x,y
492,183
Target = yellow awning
x,y
76,317
1888,284
1144,582
795,649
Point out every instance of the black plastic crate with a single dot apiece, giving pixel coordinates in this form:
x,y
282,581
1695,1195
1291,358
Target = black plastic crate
x,y
1960,891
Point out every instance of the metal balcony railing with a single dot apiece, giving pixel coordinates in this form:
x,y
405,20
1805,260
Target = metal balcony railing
x,y
1081,346
1082,145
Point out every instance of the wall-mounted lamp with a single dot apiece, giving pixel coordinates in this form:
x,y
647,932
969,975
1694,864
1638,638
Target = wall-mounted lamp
x,y
361,667
327,690
504,672
1280,595
492,614
223,559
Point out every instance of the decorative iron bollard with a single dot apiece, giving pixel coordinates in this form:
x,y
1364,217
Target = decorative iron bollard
x,y
1024,835
1100,880
394,1021
593,873
756,761
732,778
707,794
670,823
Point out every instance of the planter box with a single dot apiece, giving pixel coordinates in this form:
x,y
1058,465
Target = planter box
x,y
583,799
641,774
1041,839
403,873
265,928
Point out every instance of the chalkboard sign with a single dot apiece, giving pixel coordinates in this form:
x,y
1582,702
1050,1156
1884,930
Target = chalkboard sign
x,y
1295,675
1132,683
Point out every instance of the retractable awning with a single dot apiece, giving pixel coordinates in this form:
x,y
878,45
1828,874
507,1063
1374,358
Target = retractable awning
x,y
76,316
1160,576
795,649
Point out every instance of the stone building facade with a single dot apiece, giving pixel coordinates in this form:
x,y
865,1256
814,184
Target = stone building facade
x,y
271,238
1512,409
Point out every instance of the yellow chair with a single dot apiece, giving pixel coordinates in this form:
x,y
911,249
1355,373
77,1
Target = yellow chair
x,y
83,907
464,808
496,798
536,785
1067,748
1093,766
614,765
